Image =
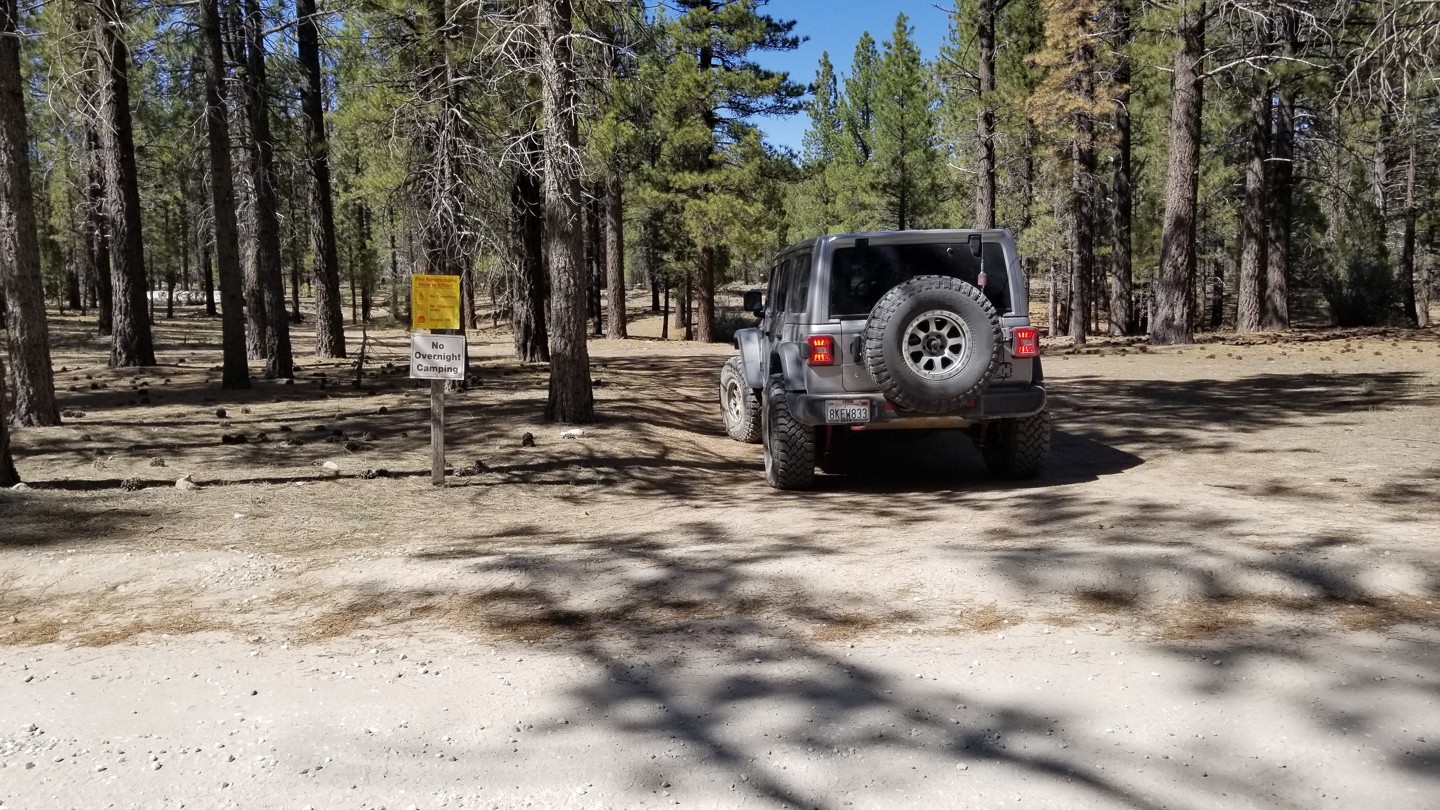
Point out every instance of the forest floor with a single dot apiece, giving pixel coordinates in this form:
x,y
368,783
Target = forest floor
x,y
1226,591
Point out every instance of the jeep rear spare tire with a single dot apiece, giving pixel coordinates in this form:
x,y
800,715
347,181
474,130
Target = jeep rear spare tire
x,y
932,344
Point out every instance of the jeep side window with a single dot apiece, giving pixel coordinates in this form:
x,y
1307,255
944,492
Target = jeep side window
x,y
780,286
799,281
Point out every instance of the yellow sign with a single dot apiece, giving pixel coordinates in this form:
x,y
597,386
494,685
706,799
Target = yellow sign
x,y
435,302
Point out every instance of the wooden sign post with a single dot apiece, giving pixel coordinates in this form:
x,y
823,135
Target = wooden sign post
x,y
435,305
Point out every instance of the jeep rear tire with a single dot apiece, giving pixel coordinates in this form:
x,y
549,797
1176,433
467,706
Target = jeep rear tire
x,y
738,403
1017,448
932,344
789,445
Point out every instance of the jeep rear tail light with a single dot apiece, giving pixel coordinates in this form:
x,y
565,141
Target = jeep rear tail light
x,y
822,350
1027,341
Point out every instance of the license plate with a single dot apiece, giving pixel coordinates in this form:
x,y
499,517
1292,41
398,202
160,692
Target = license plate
x,y
846,411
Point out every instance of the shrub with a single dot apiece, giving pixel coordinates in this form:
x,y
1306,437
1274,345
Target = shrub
x,y
1362,294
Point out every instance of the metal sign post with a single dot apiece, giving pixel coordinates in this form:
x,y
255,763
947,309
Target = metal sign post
x,y
435,305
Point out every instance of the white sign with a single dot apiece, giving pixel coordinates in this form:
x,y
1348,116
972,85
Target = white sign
x,y
437,357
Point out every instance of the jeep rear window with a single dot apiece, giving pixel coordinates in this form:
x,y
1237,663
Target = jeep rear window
x,y
860,275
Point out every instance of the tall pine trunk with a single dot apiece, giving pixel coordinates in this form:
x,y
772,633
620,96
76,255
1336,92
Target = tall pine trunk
x,y
1407,239
1254,241
98,233
1083,204
269,266
570,397
1174,317
1276,314
985,117
131,343
235,373
615,257
1122,304
19,245
9,477
527,281
324,264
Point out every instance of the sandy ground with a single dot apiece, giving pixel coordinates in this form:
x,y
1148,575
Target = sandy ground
x,y
1224,594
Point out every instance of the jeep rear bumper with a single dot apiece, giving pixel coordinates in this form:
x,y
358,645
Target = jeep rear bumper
x,y
999,402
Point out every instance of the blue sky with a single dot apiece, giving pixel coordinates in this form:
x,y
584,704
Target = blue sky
x,y
835,26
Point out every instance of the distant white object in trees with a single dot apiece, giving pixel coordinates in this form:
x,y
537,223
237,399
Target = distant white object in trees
x,y
574,433
186,483
331,466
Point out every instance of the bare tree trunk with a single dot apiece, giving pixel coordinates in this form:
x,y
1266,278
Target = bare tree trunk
x,y
703,311
131,343
236,368
570,397
1276,317
527,282
615,257
9,477
99,234
595,261
1122,304
985,117
208,279
269,266
324,264
19,243
1407,240
1250,290
1174,318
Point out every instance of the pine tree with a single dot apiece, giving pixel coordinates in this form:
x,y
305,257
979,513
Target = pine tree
x,y
9,477
815,199
324,263
854,204
712,91
20,280
1174,318
571,398
906,177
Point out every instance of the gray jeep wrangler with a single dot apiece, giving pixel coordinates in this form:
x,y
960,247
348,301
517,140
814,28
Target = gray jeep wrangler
x,y
908,330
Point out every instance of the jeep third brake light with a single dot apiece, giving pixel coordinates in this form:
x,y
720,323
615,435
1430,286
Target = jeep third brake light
x,y
822,350
1027,341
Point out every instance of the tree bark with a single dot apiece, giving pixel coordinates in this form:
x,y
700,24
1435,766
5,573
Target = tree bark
x,y
1122,304
702,312
9,477
1407,239
527,282
1083,219
269,266
615,257
985,117
1254,241
19,242
235,373
595,261
99,234
570,397
131,342
1276,316
1174,317
324,264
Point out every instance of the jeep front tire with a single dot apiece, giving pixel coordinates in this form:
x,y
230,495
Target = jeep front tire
x,y
738,403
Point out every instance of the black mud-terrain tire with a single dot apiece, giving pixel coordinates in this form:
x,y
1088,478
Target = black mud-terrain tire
x,y
932,344
789,445
1017,448
739,404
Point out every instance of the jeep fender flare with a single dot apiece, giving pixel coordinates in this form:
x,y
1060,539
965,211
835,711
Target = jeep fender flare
x,y
752,357
790,365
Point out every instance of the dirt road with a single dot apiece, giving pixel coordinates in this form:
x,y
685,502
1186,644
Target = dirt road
x,y
1223,595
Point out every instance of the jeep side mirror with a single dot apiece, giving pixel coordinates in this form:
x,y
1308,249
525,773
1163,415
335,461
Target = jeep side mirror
x,y
975,245
755,302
